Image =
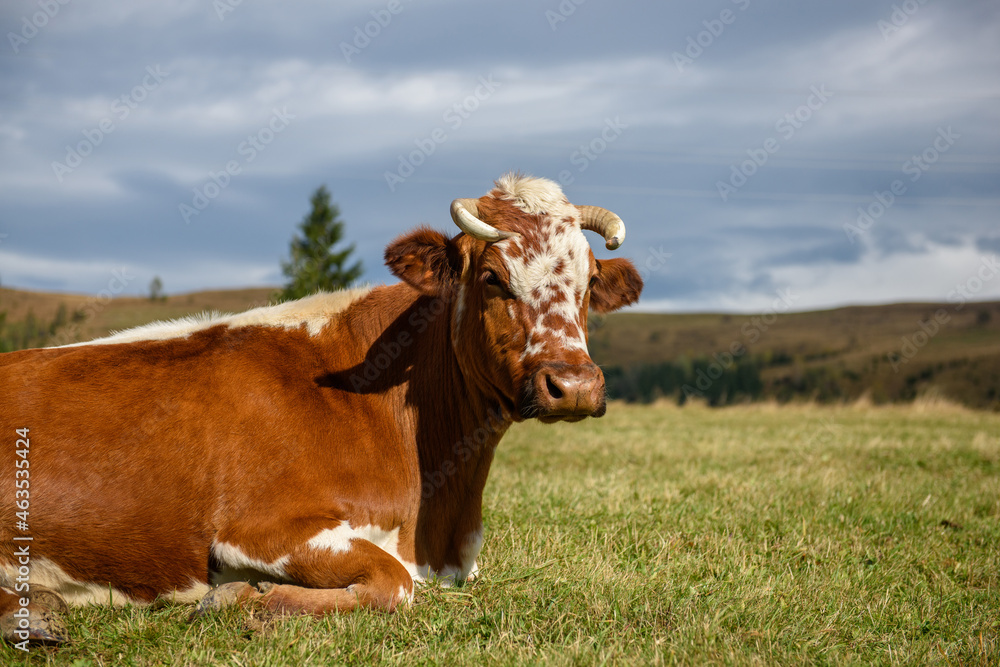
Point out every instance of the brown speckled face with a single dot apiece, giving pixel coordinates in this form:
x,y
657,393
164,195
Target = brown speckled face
x,y
533,291
521,279
550,271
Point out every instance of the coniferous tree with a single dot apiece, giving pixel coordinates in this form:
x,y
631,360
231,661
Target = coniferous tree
x,y
315,264
156,290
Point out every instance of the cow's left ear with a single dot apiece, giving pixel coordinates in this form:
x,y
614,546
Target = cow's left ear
x,y
425,259
616,285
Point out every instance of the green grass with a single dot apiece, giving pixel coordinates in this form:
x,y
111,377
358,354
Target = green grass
x,y
658,535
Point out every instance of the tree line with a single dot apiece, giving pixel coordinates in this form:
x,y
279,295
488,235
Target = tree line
x,y
704,378
33,332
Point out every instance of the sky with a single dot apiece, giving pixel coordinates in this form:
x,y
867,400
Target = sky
x,y
762,154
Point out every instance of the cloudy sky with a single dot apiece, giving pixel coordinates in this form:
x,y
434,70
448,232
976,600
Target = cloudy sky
x,y
840,153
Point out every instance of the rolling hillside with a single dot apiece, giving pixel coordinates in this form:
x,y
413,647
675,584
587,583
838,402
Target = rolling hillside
x,y
886,353
98,316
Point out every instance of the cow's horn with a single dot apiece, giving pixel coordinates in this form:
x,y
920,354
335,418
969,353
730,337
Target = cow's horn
x,y
465,211
605,223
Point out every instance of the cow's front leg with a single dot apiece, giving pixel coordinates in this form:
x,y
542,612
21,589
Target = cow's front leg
x,y
324,581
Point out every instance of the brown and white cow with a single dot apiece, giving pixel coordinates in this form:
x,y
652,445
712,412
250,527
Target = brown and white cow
x,y
334,448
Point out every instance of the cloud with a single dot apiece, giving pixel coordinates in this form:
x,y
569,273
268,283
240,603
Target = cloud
x,y
928,273
554,91
988,244
57,274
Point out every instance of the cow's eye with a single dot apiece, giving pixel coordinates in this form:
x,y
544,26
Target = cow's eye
x,y
593,281
493,281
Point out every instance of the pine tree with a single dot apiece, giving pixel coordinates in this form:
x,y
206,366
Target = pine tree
x,y
315,265
156,290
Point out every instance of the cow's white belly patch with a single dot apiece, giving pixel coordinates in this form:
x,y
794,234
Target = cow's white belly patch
x,y
237,566
339,540
48,574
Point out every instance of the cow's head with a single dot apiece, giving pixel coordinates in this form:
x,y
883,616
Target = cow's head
x,y
521,279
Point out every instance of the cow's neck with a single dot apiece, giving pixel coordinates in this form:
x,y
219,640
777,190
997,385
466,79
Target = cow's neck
x,y
456,428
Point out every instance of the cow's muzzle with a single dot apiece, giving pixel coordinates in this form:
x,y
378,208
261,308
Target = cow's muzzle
x,y
564,392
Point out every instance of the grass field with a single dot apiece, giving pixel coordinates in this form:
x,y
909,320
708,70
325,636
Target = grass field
x,y
661,535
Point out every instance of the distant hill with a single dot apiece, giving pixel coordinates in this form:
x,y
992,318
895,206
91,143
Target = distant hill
x,y
886,353
98,316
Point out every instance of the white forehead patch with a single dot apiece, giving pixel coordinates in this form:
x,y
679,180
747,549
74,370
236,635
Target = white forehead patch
x,y
551,277
532,195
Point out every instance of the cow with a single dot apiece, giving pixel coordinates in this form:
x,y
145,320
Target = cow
x,y
310,457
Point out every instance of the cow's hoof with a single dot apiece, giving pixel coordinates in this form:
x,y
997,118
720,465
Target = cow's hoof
x,y
221,597
41,626
49,599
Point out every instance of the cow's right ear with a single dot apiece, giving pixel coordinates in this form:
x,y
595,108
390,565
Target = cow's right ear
x,y
424,259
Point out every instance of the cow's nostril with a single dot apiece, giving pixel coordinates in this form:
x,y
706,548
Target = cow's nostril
x,y
552,388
